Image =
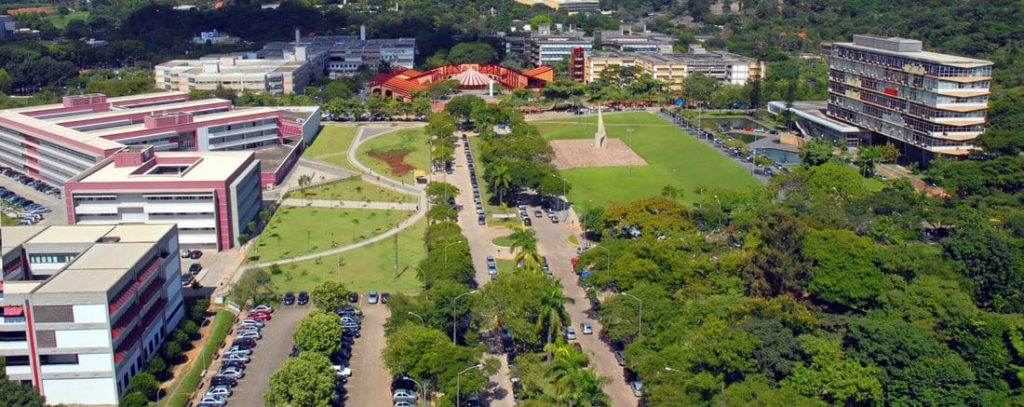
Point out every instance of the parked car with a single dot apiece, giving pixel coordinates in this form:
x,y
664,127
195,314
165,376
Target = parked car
x,y
259,316
249,335
232,371
348,310
491,262
384,298
303,298
187,280
195,268
403,394
185,253
537,213
262,308
219,380
214,400
343,371
239,357
223,391
234,350
289,298
620,357
195,254
586,328
636,386
244,343
570,333
353,297
372,297
252,322
404,403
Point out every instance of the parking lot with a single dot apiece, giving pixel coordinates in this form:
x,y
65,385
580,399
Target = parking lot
x,y
20,199
369,384
269,354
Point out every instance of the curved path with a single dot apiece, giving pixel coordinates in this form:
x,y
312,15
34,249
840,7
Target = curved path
x,y
380,180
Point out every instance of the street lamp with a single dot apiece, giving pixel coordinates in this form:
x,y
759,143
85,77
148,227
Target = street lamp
x,y
422,390
446,251
640,314
458,383
455,324
416,315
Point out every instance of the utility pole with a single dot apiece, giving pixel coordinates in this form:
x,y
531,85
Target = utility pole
x,y
396,251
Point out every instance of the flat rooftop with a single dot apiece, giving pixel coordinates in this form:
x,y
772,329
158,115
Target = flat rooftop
x,y
16,236
911,50
208,166
140,233
71,234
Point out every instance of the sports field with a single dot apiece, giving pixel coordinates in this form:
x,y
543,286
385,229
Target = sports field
x,y
673,158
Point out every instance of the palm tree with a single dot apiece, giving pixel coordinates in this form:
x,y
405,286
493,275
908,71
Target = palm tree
x,y
551,310
524,244
572,383
501,179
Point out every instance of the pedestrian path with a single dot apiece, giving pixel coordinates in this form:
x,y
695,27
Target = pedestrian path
x,y
328,203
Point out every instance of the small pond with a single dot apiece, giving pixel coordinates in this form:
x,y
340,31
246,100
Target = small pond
x,y
781,156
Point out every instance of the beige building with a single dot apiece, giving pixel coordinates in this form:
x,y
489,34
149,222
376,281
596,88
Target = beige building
x,y
674,68
237,72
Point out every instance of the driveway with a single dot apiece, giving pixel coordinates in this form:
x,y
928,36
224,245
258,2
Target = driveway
x,y
370,384
268,355
553,243
499,392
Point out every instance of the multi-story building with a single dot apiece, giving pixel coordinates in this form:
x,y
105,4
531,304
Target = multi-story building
x,y
924,102
238,72
545,47
56,142
674,68
215,37
627,40
211,197
569,6
342,55
85,307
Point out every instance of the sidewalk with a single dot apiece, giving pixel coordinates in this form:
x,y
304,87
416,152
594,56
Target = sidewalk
x,y
326,203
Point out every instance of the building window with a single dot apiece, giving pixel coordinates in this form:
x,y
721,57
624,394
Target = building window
x,y
51,258
59,359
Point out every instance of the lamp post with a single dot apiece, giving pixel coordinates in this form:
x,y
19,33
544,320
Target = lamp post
x,y
416,315
422,390
446,251
455,324
458,383
640,314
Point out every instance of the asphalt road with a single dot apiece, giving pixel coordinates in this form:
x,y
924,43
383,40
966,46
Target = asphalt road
x,y
268,355
553,243
370,384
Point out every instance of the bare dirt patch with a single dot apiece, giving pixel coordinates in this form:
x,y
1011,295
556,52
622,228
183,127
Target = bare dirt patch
x,y
395,159
581,153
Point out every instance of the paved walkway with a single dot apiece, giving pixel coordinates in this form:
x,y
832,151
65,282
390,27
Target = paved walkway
x,y
328,203
361,137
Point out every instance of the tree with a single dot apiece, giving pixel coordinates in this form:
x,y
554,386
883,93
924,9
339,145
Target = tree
x,y
306,380
817,152
5,81
524,244
441,126
500,179
318,332
472,52
442,213
16,393
439,192
255,285
593,221
146,384
984,254
834,377
778,266
867,157
427,355
462,106
698,88
551,314
329,295
133,399
844,270
757,390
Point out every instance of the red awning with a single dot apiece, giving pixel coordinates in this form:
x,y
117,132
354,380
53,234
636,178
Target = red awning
x,y
13,311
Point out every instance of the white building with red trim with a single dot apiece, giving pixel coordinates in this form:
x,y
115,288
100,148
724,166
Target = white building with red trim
x,y
85,307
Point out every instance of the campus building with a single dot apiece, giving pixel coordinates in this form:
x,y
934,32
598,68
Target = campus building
x,y
547,47
401,84
626,40
673,69
569,6
55,142
341,55
210,196
238,72
85,307
925,103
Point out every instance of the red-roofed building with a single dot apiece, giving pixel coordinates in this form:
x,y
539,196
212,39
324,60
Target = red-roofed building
x,y
400,84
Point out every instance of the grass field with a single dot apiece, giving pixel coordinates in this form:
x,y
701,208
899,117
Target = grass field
x,y
505,266
8,220
367,268
179,391
352,189
503,241
331,145
413,140
294,231
673,158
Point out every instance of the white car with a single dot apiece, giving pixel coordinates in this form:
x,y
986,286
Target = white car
x,y
263,308
222,391
248,335
235,372
236,351
586,328
253,322
403,403
570,334
239,357
214,400
403,394
372,298
343,371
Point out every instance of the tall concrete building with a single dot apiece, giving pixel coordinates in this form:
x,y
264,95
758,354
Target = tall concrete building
x,y
625,39
925,103
547,47
85,307
673,69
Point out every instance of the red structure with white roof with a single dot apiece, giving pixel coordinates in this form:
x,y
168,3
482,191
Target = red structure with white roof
x,y
401,84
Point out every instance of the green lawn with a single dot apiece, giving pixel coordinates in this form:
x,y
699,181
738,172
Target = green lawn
x,y
331,145
414,140
873,184
503,241
351,189
8,220
367,268
505,266
294,231
181,389
673,158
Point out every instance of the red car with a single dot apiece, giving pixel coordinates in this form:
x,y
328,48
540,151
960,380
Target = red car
x,y
259,316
